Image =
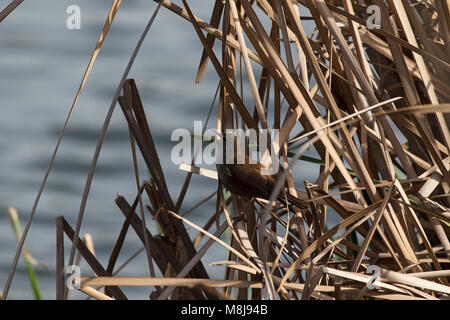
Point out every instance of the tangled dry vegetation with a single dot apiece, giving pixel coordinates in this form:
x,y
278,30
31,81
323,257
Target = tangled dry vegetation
x,y
372,102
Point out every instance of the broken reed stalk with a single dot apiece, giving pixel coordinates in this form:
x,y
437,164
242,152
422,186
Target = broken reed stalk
x,y
383,161
351,67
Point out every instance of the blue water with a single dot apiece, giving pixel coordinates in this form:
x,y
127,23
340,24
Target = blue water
x,y
41,66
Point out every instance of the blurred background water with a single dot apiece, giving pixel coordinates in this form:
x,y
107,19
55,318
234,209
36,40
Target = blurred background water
x,y
41,65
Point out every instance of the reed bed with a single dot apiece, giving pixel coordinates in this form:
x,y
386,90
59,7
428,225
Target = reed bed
x,y
372,101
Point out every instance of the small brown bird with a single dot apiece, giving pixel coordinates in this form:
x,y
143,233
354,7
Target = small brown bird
x,y
246,179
